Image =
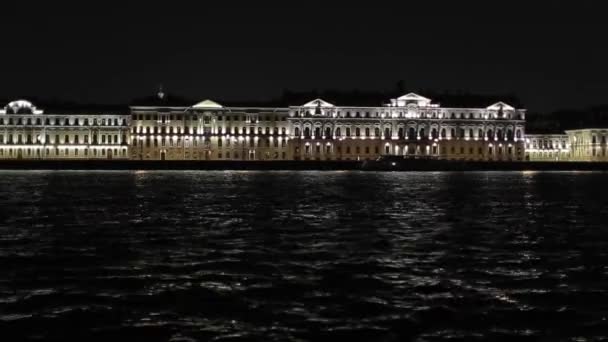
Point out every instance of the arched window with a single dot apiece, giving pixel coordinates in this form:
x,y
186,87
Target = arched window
x,y
377,132
411,133
338,132
490,134
367,131
471,134
480,134
434,134
453,133
348,131
317,132
423,133
401,133
327,132
510,134
297,132
357,130
594,140
443,133
499,134
518,134
387,133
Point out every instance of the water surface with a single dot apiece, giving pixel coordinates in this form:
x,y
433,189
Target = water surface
x,y
303,256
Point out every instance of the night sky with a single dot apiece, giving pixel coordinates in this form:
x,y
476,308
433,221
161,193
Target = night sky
x,y
552,56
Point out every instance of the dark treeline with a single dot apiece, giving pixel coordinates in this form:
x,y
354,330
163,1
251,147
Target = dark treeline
x,y
562,120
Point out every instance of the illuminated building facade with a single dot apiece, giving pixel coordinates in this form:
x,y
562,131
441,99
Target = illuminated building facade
x,y
547,147
26,132
209,131
588,144
584,145
411,126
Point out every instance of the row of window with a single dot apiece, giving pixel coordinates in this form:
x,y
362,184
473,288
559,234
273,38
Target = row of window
x,y
164,118
408,150
412,133
60,152
421,115
251,155
151,142
208,130
547,144
63,122
57,139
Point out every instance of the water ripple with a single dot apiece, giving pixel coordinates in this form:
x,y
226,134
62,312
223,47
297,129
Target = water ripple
x,y
303,256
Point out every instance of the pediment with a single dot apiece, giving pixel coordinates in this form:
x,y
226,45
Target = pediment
x,y
414,97
318,103
207,104
500,106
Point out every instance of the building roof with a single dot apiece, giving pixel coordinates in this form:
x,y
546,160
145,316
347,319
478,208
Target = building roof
x,y
207,104
37,106
500,106
318,103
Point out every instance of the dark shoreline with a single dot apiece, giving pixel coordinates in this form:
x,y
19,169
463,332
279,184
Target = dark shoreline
x,y
407,165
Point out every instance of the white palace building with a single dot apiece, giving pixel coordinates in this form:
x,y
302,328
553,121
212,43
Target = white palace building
x,y
26,132
410,126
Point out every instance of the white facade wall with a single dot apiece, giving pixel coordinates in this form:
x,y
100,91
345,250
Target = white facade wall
x,y
28,133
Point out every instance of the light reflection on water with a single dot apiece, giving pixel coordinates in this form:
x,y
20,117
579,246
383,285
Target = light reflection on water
x,y
303,255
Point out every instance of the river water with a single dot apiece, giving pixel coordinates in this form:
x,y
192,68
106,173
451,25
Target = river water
x,y
303,256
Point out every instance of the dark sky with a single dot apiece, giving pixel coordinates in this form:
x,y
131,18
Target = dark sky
x,y
552,55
